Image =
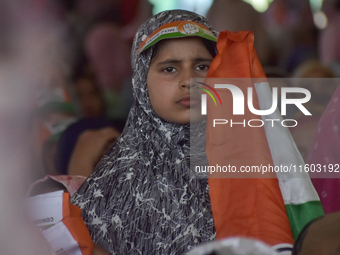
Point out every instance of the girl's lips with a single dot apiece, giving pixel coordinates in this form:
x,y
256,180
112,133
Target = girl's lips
x,y
188,101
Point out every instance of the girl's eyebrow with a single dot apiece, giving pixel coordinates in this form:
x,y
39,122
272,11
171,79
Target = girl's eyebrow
x,y
203,59
169,61
175,61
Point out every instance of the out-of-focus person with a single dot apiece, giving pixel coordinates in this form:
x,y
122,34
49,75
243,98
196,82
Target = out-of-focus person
x,y
329,47
291,32
27,29
316,78
52,114
237,15
83,144
89,96
120,12
326,152
314,73
109,55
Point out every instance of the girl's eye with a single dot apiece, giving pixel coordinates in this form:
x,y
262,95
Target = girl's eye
x,y
202,67
169,69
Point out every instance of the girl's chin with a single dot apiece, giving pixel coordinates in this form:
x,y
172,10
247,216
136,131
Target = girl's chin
x,y
196,115
194,118
189,116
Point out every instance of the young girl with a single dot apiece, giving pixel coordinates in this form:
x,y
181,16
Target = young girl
x,y
142,198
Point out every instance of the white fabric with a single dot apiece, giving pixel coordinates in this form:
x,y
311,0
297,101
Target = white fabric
x,y
296,187
61,240
234,246
45,209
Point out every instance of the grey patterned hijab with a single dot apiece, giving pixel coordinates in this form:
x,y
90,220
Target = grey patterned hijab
x,y
142,198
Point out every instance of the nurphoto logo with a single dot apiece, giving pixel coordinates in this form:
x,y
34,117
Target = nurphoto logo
x,y
238,103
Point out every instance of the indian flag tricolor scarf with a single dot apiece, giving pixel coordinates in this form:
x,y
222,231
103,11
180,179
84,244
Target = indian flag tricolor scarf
x,y
275,208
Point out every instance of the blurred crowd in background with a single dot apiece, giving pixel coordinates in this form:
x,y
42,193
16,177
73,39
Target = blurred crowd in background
x,y
65,75
65,69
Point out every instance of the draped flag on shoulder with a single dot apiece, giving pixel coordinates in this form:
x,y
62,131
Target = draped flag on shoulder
x,y
271,207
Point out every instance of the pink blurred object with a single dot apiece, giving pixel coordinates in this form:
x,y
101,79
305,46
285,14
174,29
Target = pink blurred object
x,y
109,54
325,151
71,182
329,48
93,9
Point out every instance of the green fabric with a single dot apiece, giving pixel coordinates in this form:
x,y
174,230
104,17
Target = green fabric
x,y
50,107
114,105
300,215
55,137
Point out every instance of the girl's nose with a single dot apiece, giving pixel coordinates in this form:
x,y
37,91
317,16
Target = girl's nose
x,y
185,79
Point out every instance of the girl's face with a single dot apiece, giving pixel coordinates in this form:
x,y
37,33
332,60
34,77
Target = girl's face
x,y
90,99
176,61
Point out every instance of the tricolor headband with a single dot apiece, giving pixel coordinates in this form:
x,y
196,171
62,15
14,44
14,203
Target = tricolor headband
x,y
177,29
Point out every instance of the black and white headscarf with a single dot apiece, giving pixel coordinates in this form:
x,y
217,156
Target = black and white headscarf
x,y
142,197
